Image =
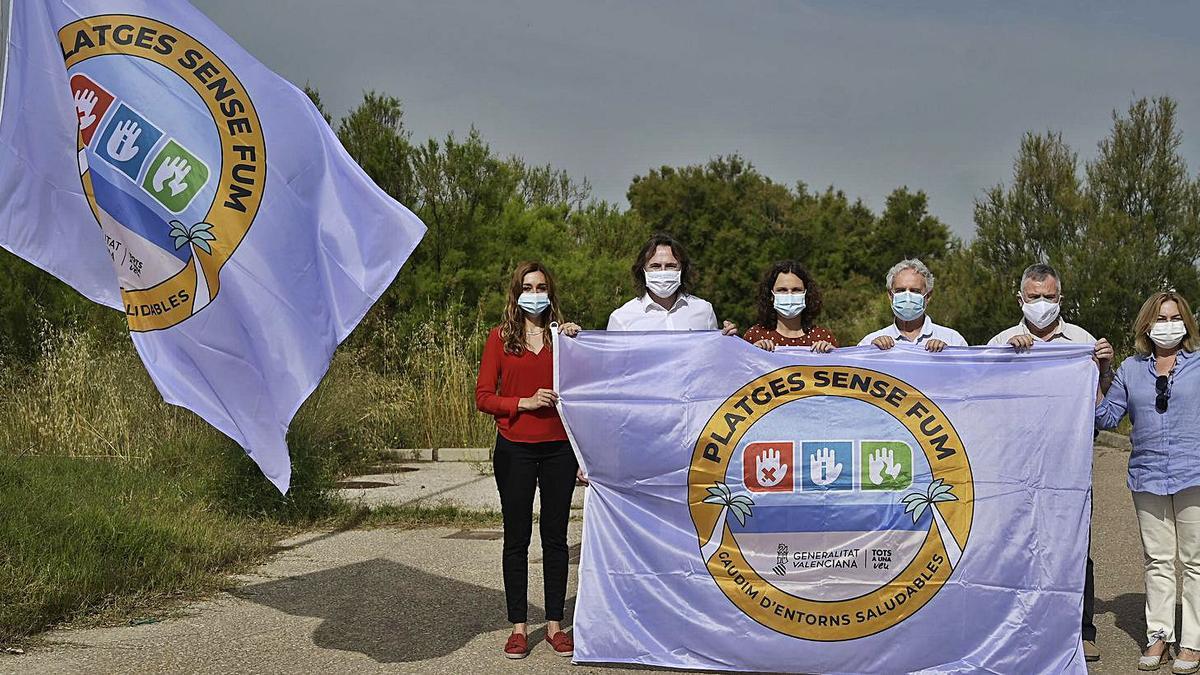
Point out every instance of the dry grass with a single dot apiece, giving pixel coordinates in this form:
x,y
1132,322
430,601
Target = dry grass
x,y
434,366
117,501
84,398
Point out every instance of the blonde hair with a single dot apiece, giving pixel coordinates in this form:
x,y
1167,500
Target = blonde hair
x,y
512,327
1148,316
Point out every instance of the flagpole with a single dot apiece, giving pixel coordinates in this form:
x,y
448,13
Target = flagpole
x,y
6,26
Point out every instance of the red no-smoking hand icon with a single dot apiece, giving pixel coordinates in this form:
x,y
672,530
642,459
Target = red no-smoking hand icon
x,y
91,102
767,466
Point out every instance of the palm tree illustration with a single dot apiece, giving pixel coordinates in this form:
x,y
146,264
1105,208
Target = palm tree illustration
x,y
197,237
738,505
937,492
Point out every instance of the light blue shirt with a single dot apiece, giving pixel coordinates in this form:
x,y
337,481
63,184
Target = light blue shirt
x,y
1166,446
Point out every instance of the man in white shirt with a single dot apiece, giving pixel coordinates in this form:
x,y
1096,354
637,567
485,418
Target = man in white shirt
x,y
910,286
1040,299
662,274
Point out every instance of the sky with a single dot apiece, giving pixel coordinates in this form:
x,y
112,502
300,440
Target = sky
x,y
864,96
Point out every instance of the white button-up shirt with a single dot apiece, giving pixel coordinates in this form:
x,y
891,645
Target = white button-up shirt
x,y
688,313
1068,332
929,331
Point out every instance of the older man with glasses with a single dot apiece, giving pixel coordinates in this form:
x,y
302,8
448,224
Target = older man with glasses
x,y
910,287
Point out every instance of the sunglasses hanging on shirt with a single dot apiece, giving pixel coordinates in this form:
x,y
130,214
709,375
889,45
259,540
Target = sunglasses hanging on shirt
x,y
1161,386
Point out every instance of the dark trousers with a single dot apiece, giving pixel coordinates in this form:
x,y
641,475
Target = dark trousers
x,y
1089,584
1089,600
519,468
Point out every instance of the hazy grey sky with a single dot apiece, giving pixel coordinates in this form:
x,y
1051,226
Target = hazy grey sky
x,y
866,96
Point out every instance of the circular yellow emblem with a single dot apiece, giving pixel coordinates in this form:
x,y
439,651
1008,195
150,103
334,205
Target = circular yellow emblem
x,y
171,156
830,503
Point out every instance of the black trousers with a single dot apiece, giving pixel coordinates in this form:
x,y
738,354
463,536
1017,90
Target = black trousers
x,y
1089,599
1089,581
519,468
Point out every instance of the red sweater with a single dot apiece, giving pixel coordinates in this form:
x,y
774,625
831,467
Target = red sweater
x,y
504,379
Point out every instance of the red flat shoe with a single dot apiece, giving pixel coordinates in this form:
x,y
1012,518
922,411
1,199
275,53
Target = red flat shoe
x,y
517,647
561,643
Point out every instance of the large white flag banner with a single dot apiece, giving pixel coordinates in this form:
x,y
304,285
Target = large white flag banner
x,y
854,512
154,165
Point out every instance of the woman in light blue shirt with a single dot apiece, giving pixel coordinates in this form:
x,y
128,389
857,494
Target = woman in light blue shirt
x,y
1159,388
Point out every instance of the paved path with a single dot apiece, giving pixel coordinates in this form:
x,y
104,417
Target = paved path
x,y
431,601
466,484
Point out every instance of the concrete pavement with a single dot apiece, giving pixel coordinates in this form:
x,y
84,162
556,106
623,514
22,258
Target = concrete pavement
x,y
431,601
469,485
368,601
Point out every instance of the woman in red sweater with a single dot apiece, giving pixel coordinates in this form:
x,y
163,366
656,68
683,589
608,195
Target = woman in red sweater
x,y
516,379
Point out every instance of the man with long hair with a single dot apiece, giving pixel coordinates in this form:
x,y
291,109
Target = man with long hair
x,y
663,275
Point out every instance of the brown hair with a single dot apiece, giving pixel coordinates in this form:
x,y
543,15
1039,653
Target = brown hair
x,y
1148,316
512,327
647,252
765,300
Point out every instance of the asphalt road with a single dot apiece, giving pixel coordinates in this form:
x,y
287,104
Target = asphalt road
x,y
431,601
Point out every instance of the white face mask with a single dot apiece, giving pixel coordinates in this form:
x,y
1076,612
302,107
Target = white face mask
x,y
1040,313
1168,334
663,284
789,305
533,303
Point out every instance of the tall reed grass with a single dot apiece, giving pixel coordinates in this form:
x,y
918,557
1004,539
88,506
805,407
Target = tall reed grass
x,y
433,362
114,500
85,397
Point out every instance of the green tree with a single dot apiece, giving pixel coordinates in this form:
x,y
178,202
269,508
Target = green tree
x,y
905,229
595,264
828,234
1144,232
32,300
483,213
972,298
463,187
1039,217
1130,227
374,135
545,185
315,96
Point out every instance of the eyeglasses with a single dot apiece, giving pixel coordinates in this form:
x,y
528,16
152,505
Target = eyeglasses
x,y
1160,386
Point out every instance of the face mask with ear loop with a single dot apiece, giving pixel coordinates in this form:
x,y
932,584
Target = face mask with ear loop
x,y
663,284
1168,334
790,305
1040,313
907,305
533,303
